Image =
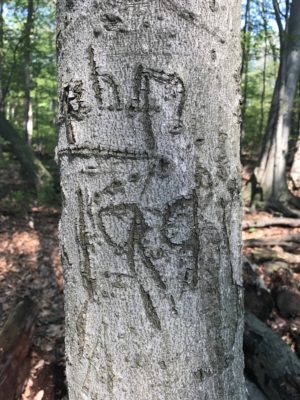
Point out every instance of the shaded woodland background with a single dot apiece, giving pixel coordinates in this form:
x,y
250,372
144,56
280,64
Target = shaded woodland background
x,y
31,281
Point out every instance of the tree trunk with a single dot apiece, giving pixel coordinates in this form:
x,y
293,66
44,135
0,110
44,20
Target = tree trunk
x,y
245,60
1,52
295,168
271,172
32,168
263,92
150,229
28,124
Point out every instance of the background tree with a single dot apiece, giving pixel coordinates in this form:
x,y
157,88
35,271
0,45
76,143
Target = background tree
x,y
246,44
272,168
28,122
150,238
27,73
264,70
263,59
29,69
295,168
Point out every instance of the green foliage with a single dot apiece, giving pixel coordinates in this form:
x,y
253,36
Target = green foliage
x,y
261,60
253,128
17,196
48,195
43,70
4,162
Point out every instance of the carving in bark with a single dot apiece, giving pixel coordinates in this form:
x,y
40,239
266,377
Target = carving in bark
x,y
150,230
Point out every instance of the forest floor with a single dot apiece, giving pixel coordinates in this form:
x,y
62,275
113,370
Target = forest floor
x,y
30,267
273,291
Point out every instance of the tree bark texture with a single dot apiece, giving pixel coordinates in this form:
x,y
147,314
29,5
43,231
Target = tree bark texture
x,y
28,122
271,172
150,228
295,169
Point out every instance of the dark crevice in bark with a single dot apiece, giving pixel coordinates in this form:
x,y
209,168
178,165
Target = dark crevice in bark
x,y
86,271
150,309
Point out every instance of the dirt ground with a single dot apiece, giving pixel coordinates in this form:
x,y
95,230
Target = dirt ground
x,y
30,268
276,260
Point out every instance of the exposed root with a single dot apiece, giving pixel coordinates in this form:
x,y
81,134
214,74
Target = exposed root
x,y
285,208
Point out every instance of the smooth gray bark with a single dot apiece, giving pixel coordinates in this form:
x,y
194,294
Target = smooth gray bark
x,y
150,228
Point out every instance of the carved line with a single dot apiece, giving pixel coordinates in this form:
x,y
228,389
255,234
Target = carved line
x,y
141,93
150,138
190,17
182,12
192,243
195,240
108,152
134,3
107,78
141,88
85,272
150,309
136,231
98,88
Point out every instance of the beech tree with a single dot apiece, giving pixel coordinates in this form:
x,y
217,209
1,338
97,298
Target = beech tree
x,y
150,175
271,172
295,169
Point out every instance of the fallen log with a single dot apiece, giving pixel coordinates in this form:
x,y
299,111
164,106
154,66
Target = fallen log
x,y
15,344
270,361
285,208
263,223
276,253
276,240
